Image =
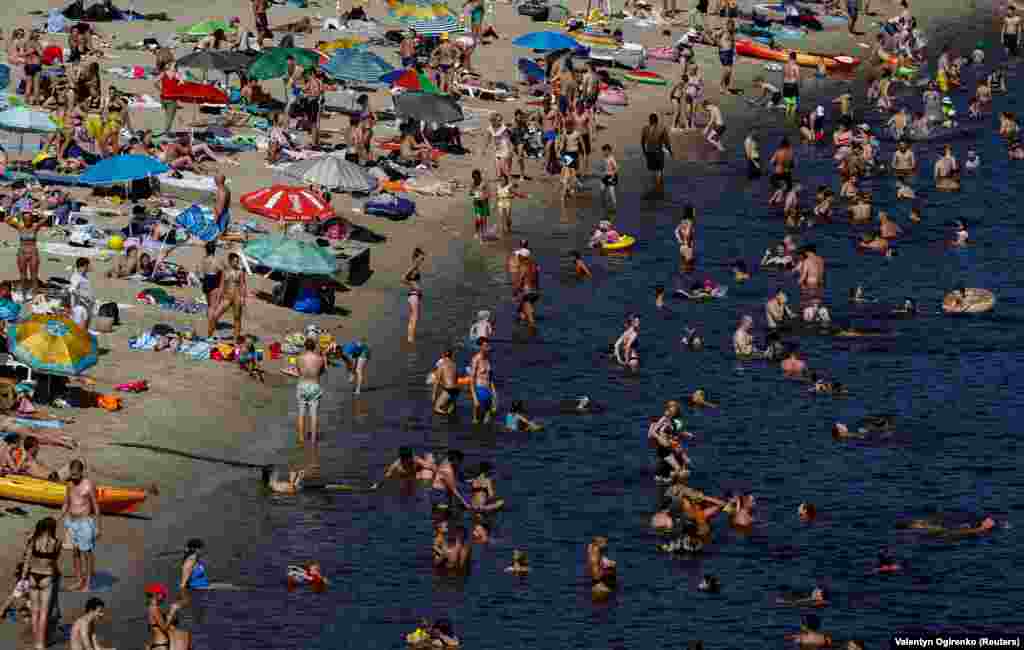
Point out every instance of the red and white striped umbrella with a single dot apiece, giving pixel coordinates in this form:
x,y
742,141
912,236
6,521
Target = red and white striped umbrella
x,y
286,203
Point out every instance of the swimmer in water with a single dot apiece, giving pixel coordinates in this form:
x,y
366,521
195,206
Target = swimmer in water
x,y
815,599
807,512
662,519
809,634
602,569
407,467
709,585
739,271
692,340
960,234
793,365
886,564
904,191
520,564
659,296
516,419
583,404
842,432
698,399
625,349
580,267
981,527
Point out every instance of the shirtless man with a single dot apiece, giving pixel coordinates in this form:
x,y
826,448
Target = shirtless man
x,y
716,125
903,159
662,520
311,365
625,350
791,206
782,171
446,384
81,517
811,269
777,309
30,464
407,467
83,632
791,84
1011,31
947,171
888,228
654,141
686,237
743,511
793,365
742,339
485,395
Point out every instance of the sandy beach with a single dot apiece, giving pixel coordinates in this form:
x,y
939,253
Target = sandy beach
x,y
213,408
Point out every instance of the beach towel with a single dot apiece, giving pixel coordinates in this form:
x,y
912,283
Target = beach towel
x,y
66,250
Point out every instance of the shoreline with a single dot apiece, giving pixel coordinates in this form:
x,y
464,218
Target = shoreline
x,y
180,480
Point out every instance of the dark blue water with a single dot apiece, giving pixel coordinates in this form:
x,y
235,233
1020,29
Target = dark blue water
x,y
952,384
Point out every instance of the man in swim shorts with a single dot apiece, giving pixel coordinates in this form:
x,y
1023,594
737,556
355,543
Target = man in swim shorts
x,y
1011,31
356,355
81,517
727,53
485,395
654,142
791,84
446,384
308,392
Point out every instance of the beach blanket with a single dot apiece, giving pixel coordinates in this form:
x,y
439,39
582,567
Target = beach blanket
x,y
66,250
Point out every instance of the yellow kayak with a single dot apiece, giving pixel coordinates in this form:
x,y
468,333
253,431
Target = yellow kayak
x,y
49,493
625,241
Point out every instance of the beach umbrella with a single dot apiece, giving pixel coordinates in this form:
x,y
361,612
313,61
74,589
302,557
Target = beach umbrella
x,y
426,107
291,255
216,60
22,120
332,172
200,224
410,80
206,28
546,41
287,203
357,65
122,169
190,92
52,344
436,26
407,12
344,43
273,62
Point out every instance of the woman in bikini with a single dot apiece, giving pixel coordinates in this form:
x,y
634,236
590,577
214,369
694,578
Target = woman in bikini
x,y
210,272
163,632
41,566
411,279
686,237
28,227
232,296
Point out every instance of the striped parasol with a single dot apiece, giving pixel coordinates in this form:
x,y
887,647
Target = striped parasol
x,y
436,26
356,65
285,203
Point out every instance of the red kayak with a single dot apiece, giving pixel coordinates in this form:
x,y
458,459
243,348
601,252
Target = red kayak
x,y
757,50
189,92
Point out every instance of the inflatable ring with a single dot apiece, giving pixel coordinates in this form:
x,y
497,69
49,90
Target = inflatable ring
x,y
625,242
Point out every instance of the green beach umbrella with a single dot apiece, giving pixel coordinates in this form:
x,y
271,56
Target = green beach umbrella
x,y
291,256
273,63
206,28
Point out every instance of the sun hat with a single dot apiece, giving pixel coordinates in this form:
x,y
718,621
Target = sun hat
x,y
157,589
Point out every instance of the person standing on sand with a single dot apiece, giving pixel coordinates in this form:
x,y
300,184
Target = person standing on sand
x,y
1011,31
41,566
83,632
727,53
311,365
168,76
81,518
654,141
259,18
853,10
791,85
232,293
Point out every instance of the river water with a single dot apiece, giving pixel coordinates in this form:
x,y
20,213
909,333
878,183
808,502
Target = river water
x,y
952,384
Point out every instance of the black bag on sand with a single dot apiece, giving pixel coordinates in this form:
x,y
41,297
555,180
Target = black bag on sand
x,y
536,10
110,310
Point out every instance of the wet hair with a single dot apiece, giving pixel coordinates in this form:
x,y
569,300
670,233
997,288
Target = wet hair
x,y
485,468
45,526
81,263
193,545
517,407
739,265
211,247
575,255
93,604
810,510
455,456
606,148
695,645
405,452
659,289
482,340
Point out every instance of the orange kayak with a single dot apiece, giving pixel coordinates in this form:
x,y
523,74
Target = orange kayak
x,y
757,50
48,493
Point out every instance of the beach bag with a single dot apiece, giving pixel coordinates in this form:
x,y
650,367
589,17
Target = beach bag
x,y
8,396
108,402
395,208
110,310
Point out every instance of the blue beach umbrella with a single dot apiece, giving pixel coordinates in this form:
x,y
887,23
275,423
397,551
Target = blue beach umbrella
x,y
356,65
291,256
123,169
546,41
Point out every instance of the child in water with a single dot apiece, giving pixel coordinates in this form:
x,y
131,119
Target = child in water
x,y
520,563
516,419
